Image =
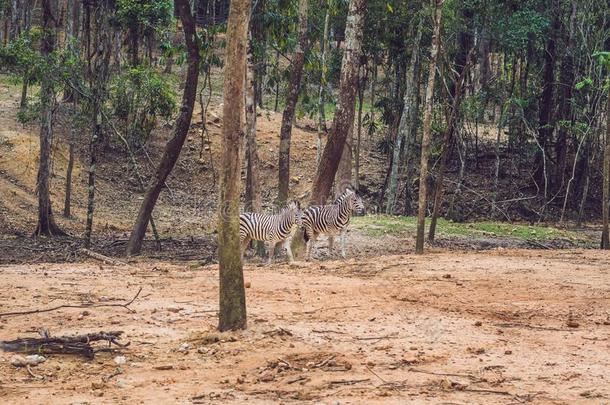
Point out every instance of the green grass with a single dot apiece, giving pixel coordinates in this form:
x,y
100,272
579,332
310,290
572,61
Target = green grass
x,y
377,225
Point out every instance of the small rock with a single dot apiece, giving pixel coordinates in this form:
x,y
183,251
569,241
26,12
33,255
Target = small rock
x,y
248,284
266,376
122,384
446,275
97,385
571,323
174,309
31,360
508,352
119,360
164,367
478,323
240,380
184,347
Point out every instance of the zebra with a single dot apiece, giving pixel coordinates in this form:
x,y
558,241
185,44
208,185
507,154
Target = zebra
x,y
330,220
270,228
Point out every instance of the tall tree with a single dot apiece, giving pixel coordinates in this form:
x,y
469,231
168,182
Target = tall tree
x,y
425,143
323,81
232,308
46,222
183,122
294,85
545,120
253,196
462,64
98,80
344,114
406,120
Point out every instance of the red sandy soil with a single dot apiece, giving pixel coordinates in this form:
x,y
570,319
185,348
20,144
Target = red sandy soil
x,y
505,326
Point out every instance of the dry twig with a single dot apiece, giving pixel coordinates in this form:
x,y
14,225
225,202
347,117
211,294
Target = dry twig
x,y
38,311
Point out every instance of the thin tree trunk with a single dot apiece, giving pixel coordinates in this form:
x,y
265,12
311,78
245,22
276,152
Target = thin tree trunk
x,y
321,99
406,121
425,144
294,85
68,194
46,222
232,309
605,243
253,197
362,83
546,123
566,84
344,115
14,21
174,145
98,81
277,82
448,142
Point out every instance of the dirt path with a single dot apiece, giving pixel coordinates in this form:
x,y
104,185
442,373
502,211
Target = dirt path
x,y
488,327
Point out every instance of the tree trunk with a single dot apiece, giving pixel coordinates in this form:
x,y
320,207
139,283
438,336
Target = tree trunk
x,y
425,144
361,85
546,124
566,84
605,244
232,310
46,222
14,30
68,194
406,122
343,177
253,197
296,72
448,142
344,115
321,99
98,81
174,145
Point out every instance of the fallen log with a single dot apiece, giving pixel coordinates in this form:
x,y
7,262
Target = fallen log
x,y
79,345
102,258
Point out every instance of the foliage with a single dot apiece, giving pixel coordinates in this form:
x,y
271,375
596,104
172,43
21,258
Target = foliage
x,y
138,97
151,15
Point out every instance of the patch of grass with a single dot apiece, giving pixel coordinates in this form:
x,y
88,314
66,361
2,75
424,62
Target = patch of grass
x,y
377,225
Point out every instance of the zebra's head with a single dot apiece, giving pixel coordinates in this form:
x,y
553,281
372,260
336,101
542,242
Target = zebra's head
x,y
293,212
358,207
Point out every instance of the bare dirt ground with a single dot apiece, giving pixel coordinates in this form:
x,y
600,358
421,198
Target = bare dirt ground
x,y
504,326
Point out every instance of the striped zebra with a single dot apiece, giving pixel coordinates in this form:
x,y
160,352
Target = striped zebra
x,y
270,228
330,220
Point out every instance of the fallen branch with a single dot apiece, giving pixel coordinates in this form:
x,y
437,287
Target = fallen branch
x,y
348,382
34,376
390,336
416,370
38,311
524,325
313,311
102,258
79,345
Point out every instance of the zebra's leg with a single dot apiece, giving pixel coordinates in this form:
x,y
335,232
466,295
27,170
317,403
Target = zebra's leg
x,y
342,237
287,243
331,245
310,246
271,250
244,245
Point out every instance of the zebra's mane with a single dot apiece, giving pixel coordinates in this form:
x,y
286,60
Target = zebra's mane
x,y
343,196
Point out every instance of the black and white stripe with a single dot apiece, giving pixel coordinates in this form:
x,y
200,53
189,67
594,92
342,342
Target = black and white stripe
x,y
270,228
330,220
